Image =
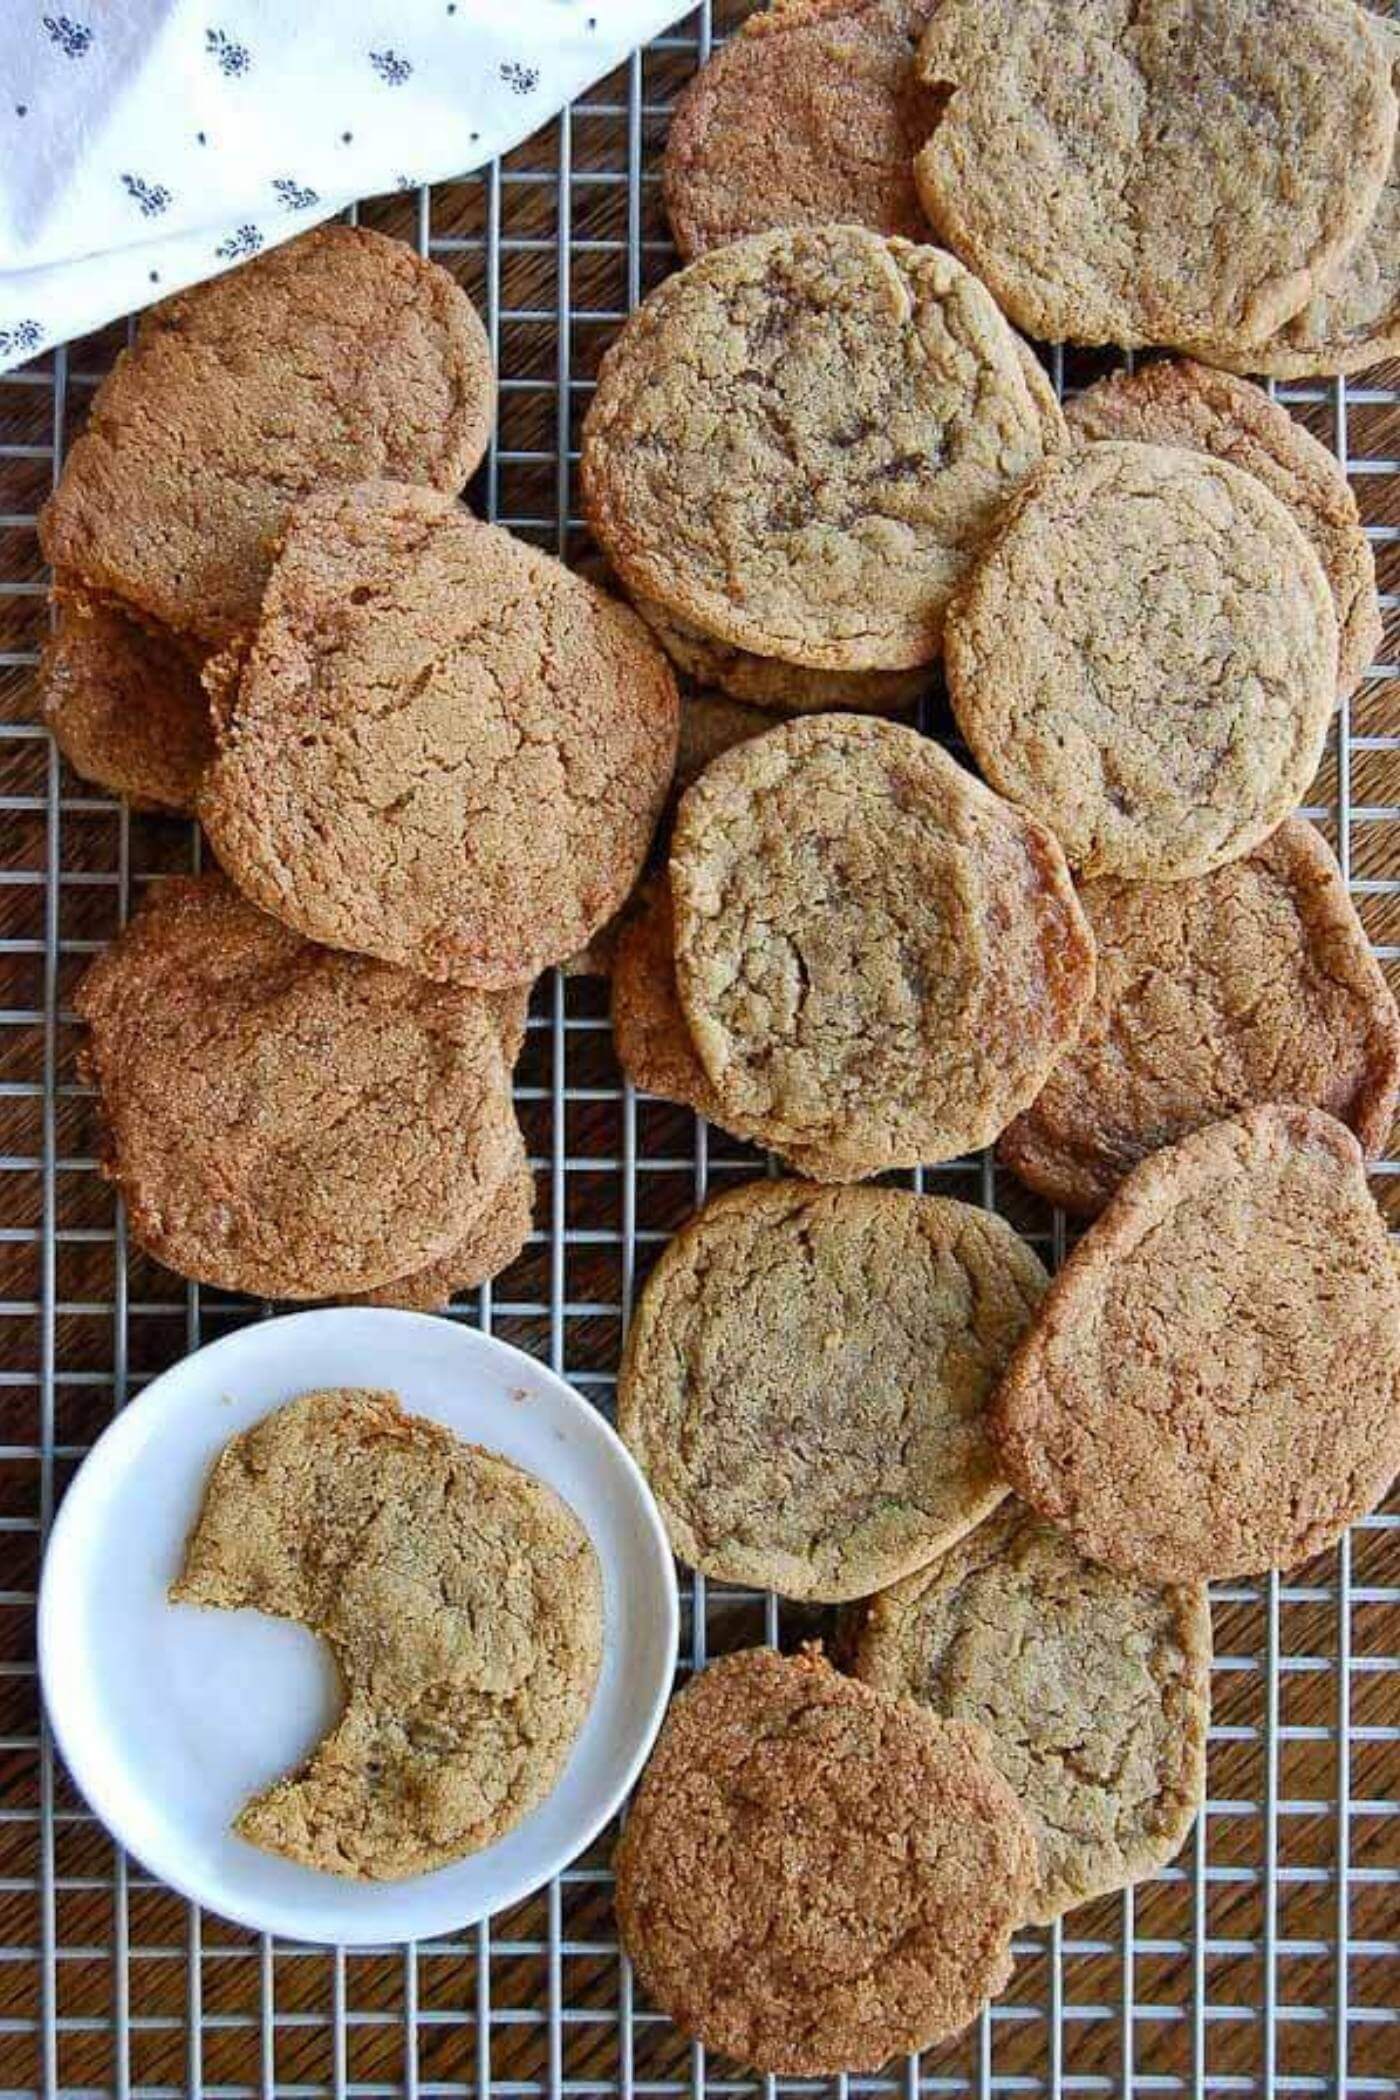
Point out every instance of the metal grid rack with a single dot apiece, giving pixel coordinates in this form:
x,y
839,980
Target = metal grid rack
x,y
1267,1960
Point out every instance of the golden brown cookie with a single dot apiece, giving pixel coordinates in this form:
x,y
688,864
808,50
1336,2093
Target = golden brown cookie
x,y
797,443
338,356
1093,1688
813,1878
1352,320
1213,1384
875,956
1177,402
1256,983
1146,658
283,1119
710,725
1186,172
443,748
811,114
806,1377
495,1239
346,1514
769,683
125,705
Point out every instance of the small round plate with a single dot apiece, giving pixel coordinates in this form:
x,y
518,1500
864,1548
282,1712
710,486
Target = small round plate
x,y
169,1716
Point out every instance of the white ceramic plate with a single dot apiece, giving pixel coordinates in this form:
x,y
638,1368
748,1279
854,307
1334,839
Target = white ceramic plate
x,y
169,1716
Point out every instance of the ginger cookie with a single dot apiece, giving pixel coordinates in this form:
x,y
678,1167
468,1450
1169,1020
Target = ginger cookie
x,y
336,357
345,1514
813,1878
806,1379
811,115
442,748
711,725
1093,1688
1146,659
282,1119
1088,153
769,683
875,956
125,705
1176,402
1213,1384
1256,983
798,442
1352,319
495,1239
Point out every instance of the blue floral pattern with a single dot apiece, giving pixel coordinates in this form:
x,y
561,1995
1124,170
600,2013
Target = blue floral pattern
x,y
391,68
521,80
152,197
230,56
22,340
294,196
241,243
74,39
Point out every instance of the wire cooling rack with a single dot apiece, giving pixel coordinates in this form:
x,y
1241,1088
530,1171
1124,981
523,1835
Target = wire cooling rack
x,y
1267,1960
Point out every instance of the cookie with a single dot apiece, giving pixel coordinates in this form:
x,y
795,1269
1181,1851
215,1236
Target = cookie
x,y
1213,1384
345,1514
875,956
1146,659
767,682
806,1378
282,1119
1093,1688
813,1878
1256,983
1352,320
442,749
711,725
338,356
810,115
125,705
797,443
1176,402
496,1238
1184,172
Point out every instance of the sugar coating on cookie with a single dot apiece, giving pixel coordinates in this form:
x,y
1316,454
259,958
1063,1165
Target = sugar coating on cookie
x,y
797,443
1213,1384
1093,1687
1146,658
125,705
346,1514
1185,172
813,1878
1255,983
875,956
1177,402
283,1119
442,748
335,357
806,1379
812,113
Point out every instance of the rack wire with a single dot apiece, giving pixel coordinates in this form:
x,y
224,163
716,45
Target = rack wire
x,y
1266,1960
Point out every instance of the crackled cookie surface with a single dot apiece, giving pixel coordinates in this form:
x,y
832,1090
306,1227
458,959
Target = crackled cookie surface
x,y
1256,983
813,1878
1213,1384
443,748
283,1119
1093,1687
333,358
806,1379
1146,659
1089,155
797,443
1176,402
875,957
125,706
344,1513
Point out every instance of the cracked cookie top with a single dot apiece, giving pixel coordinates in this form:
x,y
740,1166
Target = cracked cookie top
x,y
797,443
813,1878
442,748
125,705
285,1120
1186,172
877,958
1093,1687
1256,983
1146,658
1213,1384
338,356
806,1378
461,1599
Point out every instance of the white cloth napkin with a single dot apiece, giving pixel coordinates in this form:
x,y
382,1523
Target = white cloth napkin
x,y
146,144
